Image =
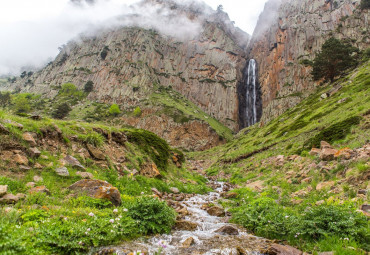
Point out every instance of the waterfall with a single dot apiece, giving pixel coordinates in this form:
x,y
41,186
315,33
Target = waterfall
x,y
251,93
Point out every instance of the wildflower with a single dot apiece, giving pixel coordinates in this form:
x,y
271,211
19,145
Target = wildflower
x,y
115,211
120,216
346,239
142,193
125,210
80,243
91,214
86,233
88,230
286,217
111,220
117,219
111,231
162,243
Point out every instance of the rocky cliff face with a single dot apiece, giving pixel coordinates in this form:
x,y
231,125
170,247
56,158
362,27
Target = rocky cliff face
x,y
290,31
126,64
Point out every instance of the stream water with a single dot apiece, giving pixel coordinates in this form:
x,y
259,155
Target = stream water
x,y
206,240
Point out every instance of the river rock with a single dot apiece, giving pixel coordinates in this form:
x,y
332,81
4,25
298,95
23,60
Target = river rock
x,y
62,171
229,195
175,190
216,211
228,230
188,242
277,249
3,190
97,189
185,225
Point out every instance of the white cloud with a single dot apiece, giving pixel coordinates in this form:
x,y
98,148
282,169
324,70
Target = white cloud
x,y
32,30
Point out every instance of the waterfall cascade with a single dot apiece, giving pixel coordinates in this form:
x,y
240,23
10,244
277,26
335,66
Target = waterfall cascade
x,y
251,93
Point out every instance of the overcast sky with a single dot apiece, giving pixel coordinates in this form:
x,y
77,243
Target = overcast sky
x,y
32,30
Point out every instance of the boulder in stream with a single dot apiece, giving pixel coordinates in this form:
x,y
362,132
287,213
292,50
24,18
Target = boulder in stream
x,y
185,225
228,230
278,249
216,211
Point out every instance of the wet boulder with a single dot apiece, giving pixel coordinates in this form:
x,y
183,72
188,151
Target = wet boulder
x,y
97,189
185,225
216,211
188,242
228,230
277,249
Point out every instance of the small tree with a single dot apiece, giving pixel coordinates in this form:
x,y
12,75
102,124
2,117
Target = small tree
x,y
61,111
137,111
114,110
334,58
4,98
22,104
89,86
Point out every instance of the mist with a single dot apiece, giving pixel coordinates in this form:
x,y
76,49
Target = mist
x,y
29,45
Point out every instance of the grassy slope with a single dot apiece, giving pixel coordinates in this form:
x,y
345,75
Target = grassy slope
x,y
246,160
45,213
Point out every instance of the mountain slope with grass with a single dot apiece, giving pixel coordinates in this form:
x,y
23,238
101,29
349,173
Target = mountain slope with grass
x,y
304,178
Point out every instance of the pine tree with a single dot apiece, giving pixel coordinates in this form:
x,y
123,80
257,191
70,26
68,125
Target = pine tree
x,y
334,58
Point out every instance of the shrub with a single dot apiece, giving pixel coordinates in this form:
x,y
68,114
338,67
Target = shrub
x,y
89,86
325,220
22,104
137,111
155,216
104,52
4,98
61,111
114,110
9,243
151,144
92,138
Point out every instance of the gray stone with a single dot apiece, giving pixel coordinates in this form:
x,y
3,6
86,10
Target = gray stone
x,y
3,190
73,162
175,190
62,171
85,175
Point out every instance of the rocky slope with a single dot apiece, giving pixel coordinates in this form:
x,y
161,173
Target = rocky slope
x,y
291,31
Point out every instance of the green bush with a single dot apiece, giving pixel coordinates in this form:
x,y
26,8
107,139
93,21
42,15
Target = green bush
x,y
61,111
114,110
14,186
325,220
85,201
154,216
22,104
10,244
137,112
89,86
92,138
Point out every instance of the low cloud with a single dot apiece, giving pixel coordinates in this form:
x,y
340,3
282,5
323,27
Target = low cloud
x,y
30,45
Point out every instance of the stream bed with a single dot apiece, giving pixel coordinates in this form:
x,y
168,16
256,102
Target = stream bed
x,y
206,239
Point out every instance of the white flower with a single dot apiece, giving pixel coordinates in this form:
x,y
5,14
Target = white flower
x,y
111,220
142,193
80,243
88,229
125,210
286,216
86,233
115,211
346,239
111,231
120,216
91,214
116,219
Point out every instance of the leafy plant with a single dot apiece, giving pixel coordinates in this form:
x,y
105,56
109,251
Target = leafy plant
x,y
154,216
114,110
61,111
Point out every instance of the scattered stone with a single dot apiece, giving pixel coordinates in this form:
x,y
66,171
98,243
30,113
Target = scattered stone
x,y
37,178
62,171
39,189
185,225
327,154
320,202
95,152
34,152
362,191
3,190
38,166
3,130
228,230
326,253
97,189
188,242
325,185
277,249
156,192
216,211
175,190
365,208
73,162
35,117
150,170
256,186
9,199
325,145
20,160
44,157
29,139
85,175
345,153
230,195
315,152
30,184
24,168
